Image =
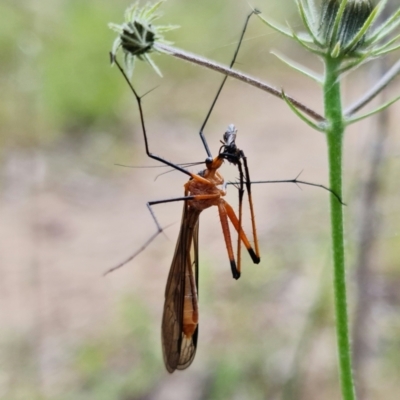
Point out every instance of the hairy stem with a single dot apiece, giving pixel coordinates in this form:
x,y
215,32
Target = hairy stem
x,y
334,116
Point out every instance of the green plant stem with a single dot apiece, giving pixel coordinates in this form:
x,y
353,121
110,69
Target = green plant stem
x,y
334,117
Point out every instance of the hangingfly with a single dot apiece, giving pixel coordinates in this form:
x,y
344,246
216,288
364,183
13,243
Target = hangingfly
x,y
180,316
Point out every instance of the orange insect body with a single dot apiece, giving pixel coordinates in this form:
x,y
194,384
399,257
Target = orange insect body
x,y
205,187
190,308
181,314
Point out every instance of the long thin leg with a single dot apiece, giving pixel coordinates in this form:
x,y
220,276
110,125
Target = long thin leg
x,y
248,183
252,216
240,212
139,102
244,178
235,222
228,241
202,137
159,228
232,154
297,182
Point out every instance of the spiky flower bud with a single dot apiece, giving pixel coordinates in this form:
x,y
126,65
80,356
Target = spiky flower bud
x,y
137,36
341,25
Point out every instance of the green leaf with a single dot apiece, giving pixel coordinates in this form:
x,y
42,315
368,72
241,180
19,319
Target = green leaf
x,y
317,127
387,51
336,50
383,82
276,27
367,24
338,20
376,110
129,63
298,67
355,63
306,17
167,28
153,64
305,37
386,45
306,46
115,47
385,29
151,10
380,6
130,12
313,11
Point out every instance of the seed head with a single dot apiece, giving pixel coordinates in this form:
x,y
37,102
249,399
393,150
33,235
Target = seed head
x,y
341,23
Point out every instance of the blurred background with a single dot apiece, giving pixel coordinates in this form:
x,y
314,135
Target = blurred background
x,y
68,213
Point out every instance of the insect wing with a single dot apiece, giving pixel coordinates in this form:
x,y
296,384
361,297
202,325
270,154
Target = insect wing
x,y
179,348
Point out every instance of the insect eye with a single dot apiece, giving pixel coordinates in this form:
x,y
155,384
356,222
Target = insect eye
x,y
208,160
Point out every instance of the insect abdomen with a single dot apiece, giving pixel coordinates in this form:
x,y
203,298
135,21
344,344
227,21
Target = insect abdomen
x,y
190,306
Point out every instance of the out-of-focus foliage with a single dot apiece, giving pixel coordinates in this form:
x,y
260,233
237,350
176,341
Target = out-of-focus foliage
x,y
57,76
118,362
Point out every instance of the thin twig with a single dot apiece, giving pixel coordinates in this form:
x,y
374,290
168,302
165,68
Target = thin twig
x,y
184,55
375,90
